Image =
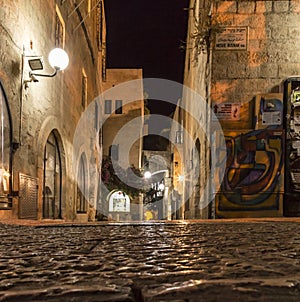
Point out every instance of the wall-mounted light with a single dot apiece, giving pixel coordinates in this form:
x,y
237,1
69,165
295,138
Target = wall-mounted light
x,y
36,64
148,174
58,60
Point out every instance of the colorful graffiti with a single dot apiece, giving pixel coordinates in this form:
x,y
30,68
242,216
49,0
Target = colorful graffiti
x,y
253,183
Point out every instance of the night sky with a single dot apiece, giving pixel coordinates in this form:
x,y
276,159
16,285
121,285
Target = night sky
x,y
147,34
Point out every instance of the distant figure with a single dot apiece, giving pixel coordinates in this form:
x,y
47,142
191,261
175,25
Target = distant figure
x,y
148,215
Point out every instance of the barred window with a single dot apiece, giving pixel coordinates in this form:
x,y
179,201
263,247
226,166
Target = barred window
x,y
119,104
107,107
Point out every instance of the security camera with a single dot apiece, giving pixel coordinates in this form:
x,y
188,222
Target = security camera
x,y
34,79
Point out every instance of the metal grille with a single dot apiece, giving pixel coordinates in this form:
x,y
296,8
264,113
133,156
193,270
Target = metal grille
x,y
28,192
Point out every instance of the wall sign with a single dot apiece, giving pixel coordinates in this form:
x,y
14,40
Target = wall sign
x,y
232,38
227,111
271,118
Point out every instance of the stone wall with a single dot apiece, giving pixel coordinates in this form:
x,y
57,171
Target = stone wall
x,y
133,107
27,28
255,48
124,130
272,52
195,118
260,52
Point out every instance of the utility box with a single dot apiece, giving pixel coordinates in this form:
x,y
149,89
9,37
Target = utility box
x,y
292,158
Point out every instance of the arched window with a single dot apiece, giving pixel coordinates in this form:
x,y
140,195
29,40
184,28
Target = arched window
x,y
52,179
81,204
5,156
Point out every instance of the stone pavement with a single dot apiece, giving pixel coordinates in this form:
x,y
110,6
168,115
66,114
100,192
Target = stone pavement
x,y
255,260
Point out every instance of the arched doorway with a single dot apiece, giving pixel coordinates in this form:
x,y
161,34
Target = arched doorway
x,y
82,186
52,184
197,191
6,149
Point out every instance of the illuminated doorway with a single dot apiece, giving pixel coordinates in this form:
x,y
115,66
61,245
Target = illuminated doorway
x,y
6,150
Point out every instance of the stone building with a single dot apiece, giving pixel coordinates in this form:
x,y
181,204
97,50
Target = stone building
x,y
42,177
157,160
239,54
123,126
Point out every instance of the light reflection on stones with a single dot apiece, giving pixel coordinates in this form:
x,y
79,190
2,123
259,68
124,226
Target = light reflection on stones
x,y
170,262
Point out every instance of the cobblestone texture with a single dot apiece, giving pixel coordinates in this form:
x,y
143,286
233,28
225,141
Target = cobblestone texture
x,y
213,261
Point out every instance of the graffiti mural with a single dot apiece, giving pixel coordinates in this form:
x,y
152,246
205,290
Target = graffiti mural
x,y
253,183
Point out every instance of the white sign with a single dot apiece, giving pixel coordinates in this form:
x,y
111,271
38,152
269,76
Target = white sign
x,y
271,118
232,38
227,111
118,201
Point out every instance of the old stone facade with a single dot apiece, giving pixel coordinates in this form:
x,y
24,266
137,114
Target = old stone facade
x,y
128,108
158,163
239,53
191,148
44,169
122,130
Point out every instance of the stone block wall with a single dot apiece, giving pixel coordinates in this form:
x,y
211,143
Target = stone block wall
x,y
131,95
236,74
27,28
272,53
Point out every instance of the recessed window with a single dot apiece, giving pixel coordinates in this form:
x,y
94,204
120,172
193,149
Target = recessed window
x,y
59,29
107,107
99,24
119,104
114,152
96,125
81,204
84,89
103,50
179,137
89,6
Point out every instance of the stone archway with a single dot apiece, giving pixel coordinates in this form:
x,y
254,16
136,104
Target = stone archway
x,y
51,126
52,178
5,150
82,185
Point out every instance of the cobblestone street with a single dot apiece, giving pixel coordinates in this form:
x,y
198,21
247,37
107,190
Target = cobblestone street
x,y
197,261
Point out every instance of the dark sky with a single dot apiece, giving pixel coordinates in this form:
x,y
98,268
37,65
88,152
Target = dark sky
x,y
147,34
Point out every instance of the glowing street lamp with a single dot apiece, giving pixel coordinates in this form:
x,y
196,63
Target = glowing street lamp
x,y
148,174
58,60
